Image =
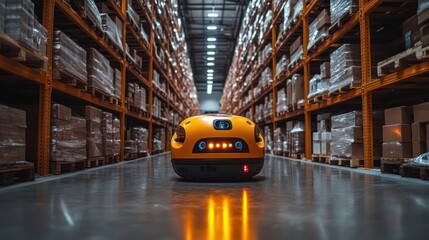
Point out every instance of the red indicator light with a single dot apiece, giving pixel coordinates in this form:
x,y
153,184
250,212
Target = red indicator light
x,y
245,168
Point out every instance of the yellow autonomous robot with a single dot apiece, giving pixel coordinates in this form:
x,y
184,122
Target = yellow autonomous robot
x,y
216,146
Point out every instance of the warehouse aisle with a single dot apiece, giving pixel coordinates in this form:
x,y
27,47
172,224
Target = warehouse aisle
x,y
144,199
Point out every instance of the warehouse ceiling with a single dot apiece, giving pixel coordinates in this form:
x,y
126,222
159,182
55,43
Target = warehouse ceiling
x,y
204,22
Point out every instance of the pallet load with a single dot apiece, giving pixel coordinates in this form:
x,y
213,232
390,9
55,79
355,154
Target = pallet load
x,y
93,118
112,30
295,92
88,10
107,134
100,74
117,83
116,137
159,140
13,165
292,11
69,60
318,30
296,52
20,24
397,147
279,138
68,140
341,9
297,139
322,138
281,67
281,102
345,68
347,139
12,134
140,136
319,83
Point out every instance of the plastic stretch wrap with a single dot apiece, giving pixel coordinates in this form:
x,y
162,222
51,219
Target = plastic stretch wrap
x,y
144,35
340,7
281,101
130,146
423,5
296,56
422,159
298,137
314,86
347,119
343,149
292,11
40,38
345,66
107,123
93,114
159,139
94,144
2,15
111,30
116,136
117,83
318,28
99,72
69,57
282,65
347,135
93,118
279,138
266,78
297,88
268,138
133,16
140,136
12,135
19,21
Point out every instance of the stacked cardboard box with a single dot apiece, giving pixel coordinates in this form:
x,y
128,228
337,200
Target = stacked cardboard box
x,y
298,137
322,137
268,133
100,74
69,57
116,136
159,139
420,129
296,52
279,138
68,135
107,134
339,8
12,134
397,132
88,10
319,28
295,90
136,96
345,67
281,101
113,30
347,135
292,10
117,83
93,118
281,65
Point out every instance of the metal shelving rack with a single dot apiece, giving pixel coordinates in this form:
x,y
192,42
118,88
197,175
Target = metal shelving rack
x,y
47,85
362,20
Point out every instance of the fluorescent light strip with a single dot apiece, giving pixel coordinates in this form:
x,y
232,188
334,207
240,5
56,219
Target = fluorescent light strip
x,y
210,64
210,78
210,59
211,27
211,46
212,14
211,39
211,53
210,70
209,82
209,74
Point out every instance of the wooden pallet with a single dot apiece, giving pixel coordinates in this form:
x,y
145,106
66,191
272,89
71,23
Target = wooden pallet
x,y
58,167
320,158
112,43
112,159
398,62
130,156
345,88
392,165
19,52
100,94
318,42
353,161
342,20
316,98
414,170
297,155
69,79
133,108
95,162
16,172
295,63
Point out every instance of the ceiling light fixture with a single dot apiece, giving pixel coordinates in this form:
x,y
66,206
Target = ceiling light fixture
x,y
210,78
209,74
210,70
211,53
211,39
211,27
211,46
209,82
210,64
212,14
210,58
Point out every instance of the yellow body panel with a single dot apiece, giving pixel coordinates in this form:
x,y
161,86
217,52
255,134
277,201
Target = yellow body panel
x,y
199,127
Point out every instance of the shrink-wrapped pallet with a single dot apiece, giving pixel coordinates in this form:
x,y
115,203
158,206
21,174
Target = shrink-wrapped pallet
x,y
345,67
346,135
116,136
69,57
93,118
88,10
111,30
339,8
12,134
319,28
100,74
298,137
19,21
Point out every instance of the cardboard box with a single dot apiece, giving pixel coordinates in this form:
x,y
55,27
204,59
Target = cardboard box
x,y
324,116
295,45
410,31
325,136
343,149
397,132
347,120
325,125
297,88
93,114
324,19
424,35
419,148
421,112
289,92
349,134
398,115
397,150
423,16
317,136
316,147
325,70
418,132
61,112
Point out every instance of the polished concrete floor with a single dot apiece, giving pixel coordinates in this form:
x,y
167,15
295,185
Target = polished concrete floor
x,y
144,199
